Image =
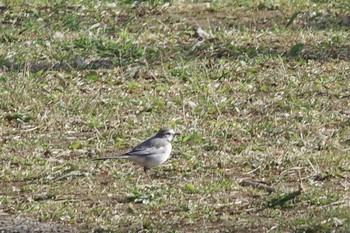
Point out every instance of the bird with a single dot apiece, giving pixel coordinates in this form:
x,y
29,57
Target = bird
x,y
150,153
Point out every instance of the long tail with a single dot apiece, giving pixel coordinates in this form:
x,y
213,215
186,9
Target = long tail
x,y
112,157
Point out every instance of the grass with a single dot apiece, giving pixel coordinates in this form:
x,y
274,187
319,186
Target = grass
x,y
264,99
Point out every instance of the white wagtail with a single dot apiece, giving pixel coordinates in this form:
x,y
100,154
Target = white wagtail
x,y
150,153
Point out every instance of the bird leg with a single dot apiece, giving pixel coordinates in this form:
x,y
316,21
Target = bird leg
x,y
145,170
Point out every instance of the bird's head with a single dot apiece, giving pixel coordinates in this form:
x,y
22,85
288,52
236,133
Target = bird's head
x,y
168,134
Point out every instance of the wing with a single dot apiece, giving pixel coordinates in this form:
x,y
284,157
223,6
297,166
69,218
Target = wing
x,y
149,147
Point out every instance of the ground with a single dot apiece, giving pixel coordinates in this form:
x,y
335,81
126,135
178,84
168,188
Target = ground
x,y
259,91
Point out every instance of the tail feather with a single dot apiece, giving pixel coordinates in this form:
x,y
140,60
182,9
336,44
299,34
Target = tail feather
x,y
112,157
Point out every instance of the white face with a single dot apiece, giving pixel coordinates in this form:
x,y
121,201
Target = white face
x,y
170,135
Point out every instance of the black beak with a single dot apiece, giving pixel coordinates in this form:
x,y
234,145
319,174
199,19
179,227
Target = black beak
x,y
177,134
